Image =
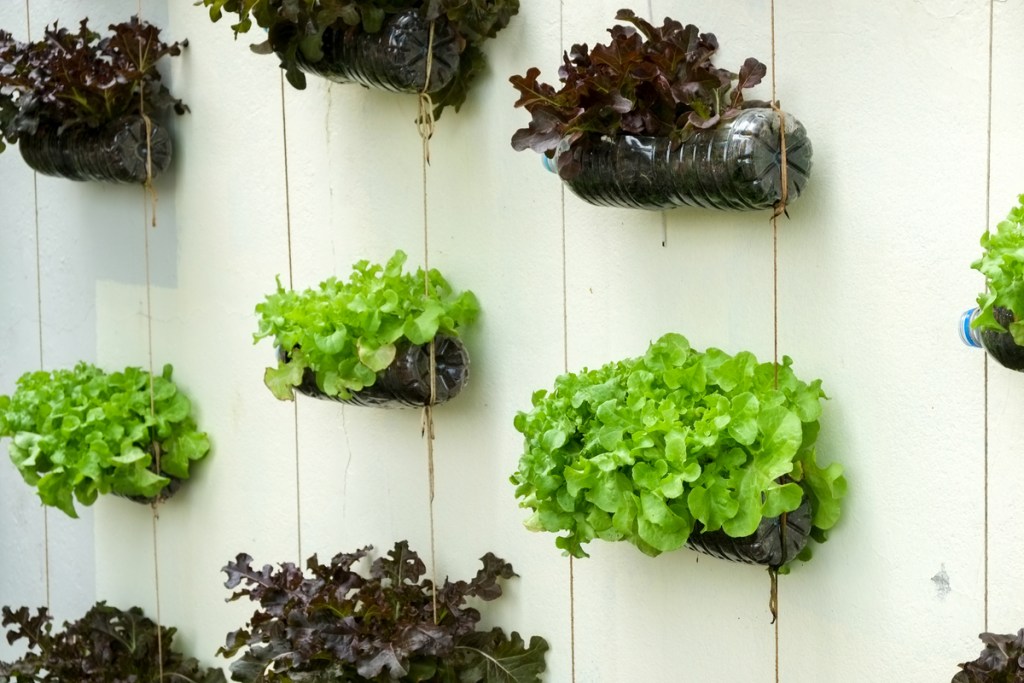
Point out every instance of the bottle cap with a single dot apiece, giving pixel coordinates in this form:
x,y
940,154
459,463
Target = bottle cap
x,y
969,335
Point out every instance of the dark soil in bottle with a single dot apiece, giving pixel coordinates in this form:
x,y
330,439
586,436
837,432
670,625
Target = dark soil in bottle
x,y
406,382
394,58
737,165
113,153
766,546
1000,345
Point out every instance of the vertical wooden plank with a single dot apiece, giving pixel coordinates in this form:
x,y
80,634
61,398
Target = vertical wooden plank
x,y
873,275
356,194
627,288
75,222
227,187
495,228
1005,394
22,564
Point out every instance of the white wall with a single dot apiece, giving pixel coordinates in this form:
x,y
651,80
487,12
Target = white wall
x,y
872,272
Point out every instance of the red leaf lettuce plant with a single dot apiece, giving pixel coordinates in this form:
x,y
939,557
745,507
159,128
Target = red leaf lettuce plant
x,y
1002,660
107,645
297,27
657,81
340,625
71,79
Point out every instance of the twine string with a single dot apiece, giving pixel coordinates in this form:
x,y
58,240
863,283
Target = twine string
x,y
663,212
148,184
291,285
985,410
780,205
425,123
425,126
565,366
39,321
778,210
149,205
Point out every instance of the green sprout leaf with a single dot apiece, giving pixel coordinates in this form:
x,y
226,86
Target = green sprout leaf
x,y
283,378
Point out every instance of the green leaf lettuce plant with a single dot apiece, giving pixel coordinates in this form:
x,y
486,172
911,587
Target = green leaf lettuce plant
x,y
296,30
1002,264
78,79
107,645
643,449
83,432
340,623
347,331
656,81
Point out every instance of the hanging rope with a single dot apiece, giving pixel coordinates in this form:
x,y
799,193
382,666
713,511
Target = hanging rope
x,y
663,212
565,367
988,203
39,318
779,209
149,206
425,126
291,285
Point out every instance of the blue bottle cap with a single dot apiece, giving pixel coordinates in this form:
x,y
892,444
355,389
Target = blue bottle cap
x,y
969,335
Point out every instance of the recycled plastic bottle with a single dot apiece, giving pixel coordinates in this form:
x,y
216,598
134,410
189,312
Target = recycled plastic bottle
x,y
1000,345
113,153
765,546
394,58
736,165
165,493
406,382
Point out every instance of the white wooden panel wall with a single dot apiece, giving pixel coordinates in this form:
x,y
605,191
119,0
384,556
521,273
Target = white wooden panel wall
x,y
1005,398
872,274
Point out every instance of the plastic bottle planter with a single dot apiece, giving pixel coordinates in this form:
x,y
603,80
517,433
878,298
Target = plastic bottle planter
x,y
770,545
406,382
737,165
394,58
161,497
168,491
1000,345
113,153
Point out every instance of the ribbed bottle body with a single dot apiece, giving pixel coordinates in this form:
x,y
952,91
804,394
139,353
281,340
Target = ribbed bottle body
x,y
736,165
1000,345
406,382
772,544
395,58
113,153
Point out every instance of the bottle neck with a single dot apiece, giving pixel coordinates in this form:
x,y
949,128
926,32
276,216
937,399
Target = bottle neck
x,y
969,335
